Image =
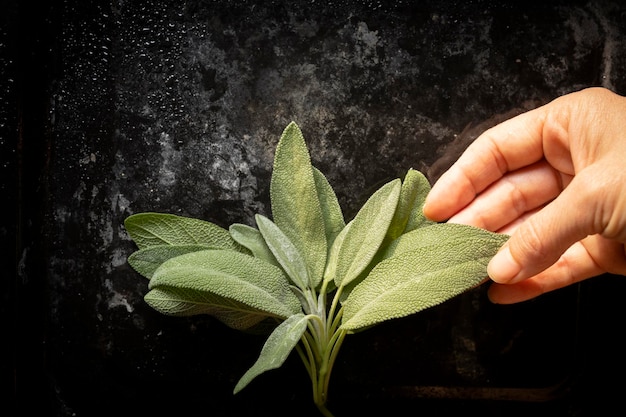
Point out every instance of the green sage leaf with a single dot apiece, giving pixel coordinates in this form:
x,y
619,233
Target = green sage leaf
x,y
284,251
366,233
436,233
153,229
333,257
147,260
296,208
276,349
417,279
331,210
408,215
182,302
251,239
231,276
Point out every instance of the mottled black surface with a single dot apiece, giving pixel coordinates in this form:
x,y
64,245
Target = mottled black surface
x,y
114,108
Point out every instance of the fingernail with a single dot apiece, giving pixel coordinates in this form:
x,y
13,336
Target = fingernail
x,y
503,268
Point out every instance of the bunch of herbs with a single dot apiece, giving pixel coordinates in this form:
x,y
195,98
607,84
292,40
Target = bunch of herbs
x,y
307,277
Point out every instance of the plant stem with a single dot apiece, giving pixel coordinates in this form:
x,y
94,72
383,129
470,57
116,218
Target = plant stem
x,y
325,411
331,312
322,342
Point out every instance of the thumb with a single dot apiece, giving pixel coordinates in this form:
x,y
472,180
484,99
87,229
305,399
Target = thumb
x,y
540,241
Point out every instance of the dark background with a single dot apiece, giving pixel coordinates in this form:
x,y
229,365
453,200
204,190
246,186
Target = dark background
x,y
114,108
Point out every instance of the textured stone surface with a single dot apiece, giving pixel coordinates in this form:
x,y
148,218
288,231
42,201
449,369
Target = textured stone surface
x,y
151,106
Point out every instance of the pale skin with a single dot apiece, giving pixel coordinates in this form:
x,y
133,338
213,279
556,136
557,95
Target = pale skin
x,y
554,178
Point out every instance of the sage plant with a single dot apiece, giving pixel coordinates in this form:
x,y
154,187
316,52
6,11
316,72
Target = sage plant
x,y
306,276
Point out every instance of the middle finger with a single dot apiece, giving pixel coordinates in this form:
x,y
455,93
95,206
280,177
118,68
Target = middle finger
x,y
512,196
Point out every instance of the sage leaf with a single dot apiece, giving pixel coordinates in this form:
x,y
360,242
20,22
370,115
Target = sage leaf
x,y
276,349
417,279
367,231
251,239
333,257
147,260
153,229
295,201
181,302
435,233
233,276
284,251
331,210
408,215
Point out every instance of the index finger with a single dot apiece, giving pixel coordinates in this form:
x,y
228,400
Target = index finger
x,y
512,144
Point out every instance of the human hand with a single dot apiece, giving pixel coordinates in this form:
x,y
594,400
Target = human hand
x,y
554,178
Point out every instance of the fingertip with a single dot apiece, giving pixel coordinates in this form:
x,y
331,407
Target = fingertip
x,y
492,294
503,268
510,294
438,205
434,207
431,209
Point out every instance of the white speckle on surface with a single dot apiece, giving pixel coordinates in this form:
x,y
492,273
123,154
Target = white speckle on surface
x,y
116,299
170,161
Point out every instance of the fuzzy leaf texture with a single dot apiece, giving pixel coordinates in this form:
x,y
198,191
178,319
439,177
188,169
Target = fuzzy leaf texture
x,y
366,233
251,239
153,229
333,255
437,233
408,215
219,281
296,208
284,251
181,302
331,210
276,349
147,260
416,279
